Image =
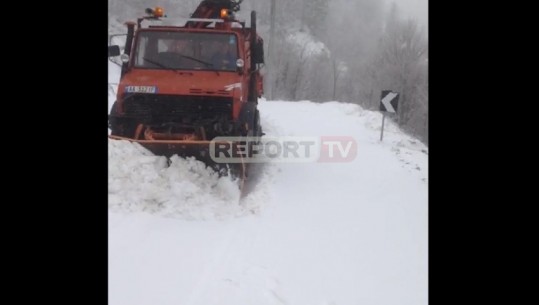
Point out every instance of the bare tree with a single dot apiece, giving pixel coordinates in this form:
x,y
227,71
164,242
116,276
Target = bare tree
x,y
271,43
401,65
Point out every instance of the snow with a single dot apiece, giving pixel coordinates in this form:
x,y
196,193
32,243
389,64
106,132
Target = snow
x,y
305,233
311,233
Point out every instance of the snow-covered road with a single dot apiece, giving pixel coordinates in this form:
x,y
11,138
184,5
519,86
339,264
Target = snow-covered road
x,y
312,233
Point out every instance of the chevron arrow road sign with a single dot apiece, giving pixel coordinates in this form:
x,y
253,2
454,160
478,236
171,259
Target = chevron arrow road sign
x,y
389,101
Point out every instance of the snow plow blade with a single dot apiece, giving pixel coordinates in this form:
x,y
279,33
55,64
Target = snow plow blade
x,y
200,150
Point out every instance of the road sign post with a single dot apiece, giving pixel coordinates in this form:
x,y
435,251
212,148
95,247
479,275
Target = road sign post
x,y
382,132
388,103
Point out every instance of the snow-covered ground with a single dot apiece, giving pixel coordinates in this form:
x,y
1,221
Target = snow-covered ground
x,y
311,233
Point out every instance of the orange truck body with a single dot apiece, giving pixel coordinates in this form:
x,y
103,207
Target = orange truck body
x,y
178,107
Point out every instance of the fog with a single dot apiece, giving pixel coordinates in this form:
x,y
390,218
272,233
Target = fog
x,y
360,48
417,9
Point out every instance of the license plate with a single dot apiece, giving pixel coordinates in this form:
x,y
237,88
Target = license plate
x,y
141,89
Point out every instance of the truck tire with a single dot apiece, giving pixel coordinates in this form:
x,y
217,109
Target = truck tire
x,y
119,127
247,119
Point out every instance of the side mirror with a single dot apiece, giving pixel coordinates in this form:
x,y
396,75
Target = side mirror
x,y
259,51
114,51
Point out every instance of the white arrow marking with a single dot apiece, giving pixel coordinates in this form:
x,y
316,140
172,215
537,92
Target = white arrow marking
x,y
386,101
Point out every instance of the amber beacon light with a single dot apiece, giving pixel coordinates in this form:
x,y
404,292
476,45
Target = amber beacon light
x,y
156,12
225,14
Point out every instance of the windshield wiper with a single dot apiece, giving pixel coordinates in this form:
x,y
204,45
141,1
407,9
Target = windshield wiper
x,y
200,61
156,63
163,66
197,60
176,70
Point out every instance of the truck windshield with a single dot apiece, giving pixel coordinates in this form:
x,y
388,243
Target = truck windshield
x,y
186,51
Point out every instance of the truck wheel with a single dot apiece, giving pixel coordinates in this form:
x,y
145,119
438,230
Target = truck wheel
x,y
119,127
113,121
258,127
248,119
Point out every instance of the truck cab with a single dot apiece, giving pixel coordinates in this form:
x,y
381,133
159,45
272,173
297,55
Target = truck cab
x,y
191,82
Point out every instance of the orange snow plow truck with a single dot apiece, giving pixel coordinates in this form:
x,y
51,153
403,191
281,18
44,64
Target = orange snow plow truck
x,y
183,86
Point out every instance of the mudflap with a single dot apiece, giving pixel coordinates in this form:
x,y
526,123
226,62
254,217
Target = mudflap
x,y
200,150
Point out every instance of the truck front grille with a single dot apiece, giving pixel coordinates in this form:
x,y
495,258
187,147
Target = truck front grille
x,y
172,107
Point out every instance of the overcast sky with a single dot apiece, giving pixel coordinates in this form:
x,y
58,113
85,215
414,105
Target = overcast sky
x,y
418,9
